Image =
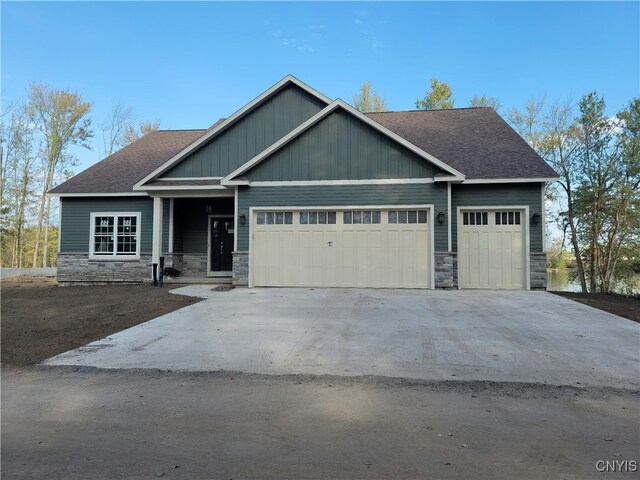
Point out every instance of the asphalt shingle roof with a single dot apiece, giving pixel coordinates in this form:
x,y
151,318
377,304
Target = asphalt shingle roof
x,y
474,141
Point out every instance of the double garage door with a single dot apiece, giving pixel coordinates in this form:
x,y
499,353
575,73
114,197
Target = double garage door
x,y
360,247
491,249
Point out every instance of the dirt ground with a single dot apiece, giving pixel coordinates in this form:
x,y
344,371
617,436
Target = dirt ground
x,y
40,319
622,305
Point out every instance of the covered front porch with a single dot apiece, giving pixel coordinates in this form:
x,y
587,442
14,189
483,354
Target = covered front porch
x,y
196,236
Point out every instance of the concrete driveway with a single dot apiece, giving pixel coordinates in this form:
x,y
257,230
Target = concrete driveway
x,y
426,335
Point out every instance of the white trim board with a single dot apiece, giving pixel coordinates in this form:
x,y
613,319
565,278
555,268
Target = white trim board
x,y
125,194
289,79
298,183
473,181
322,114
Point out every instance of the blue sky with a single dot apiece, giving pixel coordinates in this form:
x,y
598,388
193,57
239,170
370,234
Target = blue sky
x,y
188,64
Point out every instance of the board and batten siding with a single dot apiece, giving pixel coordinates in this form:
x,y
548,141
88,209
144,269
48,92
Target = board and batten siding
x,y
342,147
257,130
346,196
497,195
166,212
76,220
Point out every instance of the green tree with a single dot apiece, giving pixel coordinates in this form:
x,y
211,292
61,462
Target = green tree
x,y
61,118
484,101
366,101
132,134
439,97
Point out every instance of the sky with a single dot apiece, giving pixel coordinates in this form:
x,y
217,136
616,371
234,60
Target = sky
x,y
189,64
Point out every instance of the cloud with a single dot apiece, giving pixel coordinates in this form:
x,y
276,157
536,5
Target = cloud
x,y
302,43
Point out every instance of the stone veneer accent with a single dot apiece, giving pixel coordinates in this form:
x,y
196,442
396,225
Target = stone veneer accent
x,y
538,271
173,260
446,269
76,267
240,276
193,263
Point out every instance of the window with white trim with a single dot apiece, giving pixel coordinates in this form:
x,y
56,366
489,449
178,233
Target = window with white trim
x,y
274,218
407,216
475,218
115,235
361,217
507,218
317,218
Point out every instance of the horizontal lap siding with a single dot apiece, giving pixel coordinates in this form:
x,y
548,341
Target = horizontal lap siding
x,y
342,147
526,194
76,220
260,128
343,195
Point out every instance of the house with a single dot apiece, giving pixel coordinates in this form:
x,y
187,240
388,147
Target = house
x,y
296,189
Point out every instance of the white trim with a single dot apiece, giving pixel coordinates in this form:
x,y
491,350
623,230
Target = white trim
x,y
385,181
114,257
525,222
171,207
156,245
509,180
235,213
544,218
181,187
60,225
319,116
429,206
179,179
217,273
226,193
129,194
449,216
233,119
448,178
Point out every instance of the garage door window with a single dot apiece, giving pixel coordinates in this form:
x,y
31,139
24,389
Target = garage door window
x,y
317,218
362,217
475,218
507,218
275,218
407,216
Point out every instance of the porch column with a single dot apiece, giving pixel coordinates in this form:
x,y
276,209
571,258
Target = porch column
x,y
156,246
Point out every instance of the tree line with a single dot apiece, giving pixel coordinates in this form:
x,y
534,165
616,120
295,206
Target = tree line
x,y
597,159
36,137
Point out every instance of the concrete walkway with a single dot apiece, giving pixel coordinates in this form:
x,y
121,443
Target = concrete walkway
x,y
430,335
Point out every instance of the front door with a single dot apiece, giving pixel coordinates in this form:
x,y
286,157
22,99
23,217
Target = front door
x,y
221,246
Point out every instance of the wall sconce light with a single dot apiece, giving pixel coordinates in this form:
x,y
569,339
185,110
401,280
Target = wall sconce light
x,y
441,217
535,218
242,219
209,208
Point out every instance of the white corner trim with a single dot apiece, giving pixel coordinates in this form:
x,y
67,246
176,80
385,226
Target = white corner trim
x,y
508,180
322,114
449,216
233,119
543,202
114,257
235,219
156,246
385,181
60,225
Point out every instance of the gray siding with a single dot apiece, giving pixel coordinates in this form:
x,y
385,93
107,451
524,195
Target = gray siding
x,y
342,147
256,131
497,195
76,218
191,222
343,195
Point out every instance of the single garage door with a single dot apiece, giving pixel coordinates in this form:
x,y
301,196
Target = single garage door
x,y
342,248
491,249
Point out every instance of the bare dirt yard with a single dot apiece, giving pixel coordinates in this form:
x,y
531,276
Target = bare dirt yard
x,y
40,319
621,305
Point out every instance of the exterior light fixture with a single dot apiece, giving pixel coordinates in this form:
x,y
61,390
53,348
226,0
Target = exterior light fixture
x,y
209,208
242,219
535,218
441,217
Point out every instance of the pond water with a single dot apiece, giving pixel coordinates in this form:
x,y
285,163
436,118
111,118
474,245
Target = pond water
x,y
560,280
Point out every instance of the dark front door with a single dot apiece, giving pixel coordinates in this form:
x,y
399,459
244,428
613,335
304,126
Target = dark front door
x,y
222,230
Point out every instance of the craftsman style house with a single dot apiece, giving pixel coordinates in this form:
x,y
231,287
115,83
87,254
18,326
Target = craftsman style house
x,y
296,189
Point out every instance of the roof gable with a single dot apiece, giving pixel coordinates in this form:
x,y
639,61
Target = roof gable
x,y
248,131
326,123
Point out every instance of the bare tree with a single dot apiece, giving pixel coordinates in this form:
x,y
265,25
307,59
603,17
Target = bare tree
x,y
366,101
484,101
114,130
61,118
132,134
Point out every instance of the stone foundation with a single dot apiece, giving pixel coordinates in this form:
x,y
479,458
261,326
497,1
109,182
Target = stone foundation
x,y
77,268
446,270
538,271
240,276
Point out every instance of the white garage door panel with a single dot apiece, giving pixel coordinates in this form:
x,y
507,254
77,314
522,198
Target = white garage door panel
x,y
332,255
491,254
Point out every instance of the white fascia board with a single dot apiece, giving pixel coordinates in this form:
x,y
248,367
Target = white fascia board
x,y
185,179
231,120
456,175
509,180
447,179
385,181
183,187
123,194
